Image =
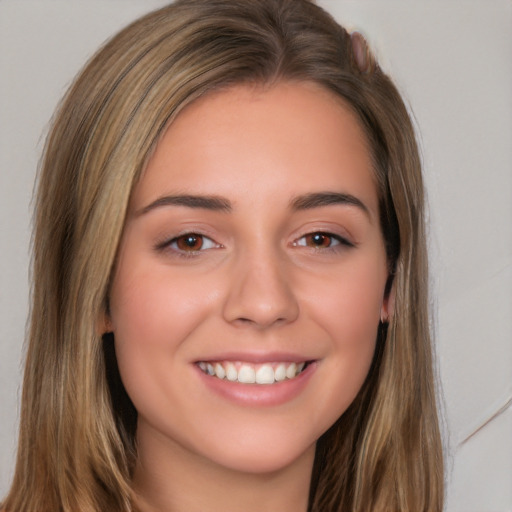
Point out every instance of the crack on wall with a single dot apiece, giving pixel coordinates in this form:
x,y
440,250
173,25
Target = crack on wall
x,y
499,412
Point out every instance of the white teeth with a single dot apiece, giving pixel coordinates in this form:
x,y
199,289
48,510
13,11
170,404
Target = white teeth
x,y
291,371
280,373
219,371
265,374
231,373
247,373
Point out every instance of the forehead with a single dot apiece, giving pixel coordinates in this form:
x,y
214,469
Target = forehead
x,y
286,136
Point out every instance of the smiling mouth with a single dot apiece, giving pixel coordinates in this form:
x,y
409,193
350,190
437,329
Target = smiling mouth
x,y
247,373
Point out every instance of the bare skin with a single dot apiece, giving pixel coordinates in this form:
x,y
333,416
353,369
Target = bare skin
x,y
163,487
252,244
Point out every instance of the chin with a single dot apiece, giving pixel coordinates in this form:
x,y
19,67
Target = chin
x,y
260,450
266,462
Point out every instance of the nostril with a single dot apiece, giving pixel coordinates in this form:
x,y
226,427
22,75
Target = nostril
x,y
250,321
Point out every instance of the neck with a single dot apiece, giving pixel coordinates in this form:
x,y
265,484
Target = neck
x,y
175,480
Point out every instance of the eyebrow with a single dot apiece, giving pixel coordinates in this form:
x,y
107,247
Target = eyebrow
x,y
213,203
319,199
216,203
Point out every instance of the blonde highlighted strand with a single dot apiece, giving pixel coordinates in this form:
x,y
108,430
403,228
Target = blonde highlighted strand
x,y
77,446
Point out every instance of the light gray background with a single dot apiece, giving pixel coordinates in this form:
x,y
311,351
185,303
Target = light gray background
x,y
452,61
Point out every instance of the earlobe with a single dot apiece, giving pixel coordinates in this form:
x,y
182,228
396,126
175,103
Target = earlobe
x,y
388,302
104,324
104,321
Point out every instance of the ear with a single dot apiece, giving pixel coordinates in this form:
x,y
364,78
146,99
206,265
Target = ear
x,y
104,323
361,53
388,302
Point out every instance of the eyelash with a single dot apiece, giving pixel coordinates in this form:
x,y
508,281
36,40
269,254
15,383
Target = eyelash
x,y
335,243
322,236
172,244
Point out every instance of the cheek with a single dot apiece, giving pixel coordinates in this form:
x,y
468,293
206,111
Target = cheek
x,y
349,302
152,314
162,303
348,310
355,317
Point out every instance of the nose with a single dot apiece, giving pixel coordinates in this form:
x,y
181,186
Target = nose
x,y
260,292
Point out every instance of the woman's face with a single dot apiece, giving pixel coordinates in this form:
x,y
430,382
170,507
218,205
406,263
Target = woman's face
x,y
253,251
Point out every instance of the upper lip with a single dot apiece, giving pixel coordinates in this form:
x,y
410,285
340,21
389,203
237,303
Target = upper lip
x,y
256,357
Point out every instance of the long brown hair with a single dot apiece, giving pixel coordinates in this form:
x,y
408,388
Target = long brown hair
x,y
76,444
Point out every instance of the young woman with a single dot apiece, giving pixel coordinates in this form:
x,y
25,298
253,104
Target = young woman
x,y
230,279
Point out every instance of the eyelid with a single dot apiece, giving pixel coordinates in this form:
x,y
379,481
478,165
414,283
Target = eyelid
x,y
205,239
170,244
338,239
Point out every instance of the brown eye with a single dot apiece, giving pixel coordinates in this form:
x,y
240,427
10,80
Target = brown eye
x,y
192,242
189,242
322,240
319,240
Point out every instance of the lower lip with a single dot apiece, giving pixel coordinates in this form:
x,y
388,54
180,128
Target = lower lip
x,y
262,395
